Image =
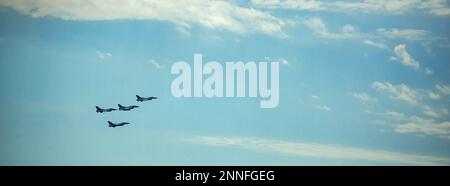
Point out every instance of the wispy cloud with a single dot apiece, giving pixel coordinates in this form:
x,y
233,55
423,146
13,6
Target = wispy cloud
x,y
432,122
419,125
372,38
315,96
289,4
103,55
390,115
318,26
445,89
225,15
428,111
435,7
444,11
282,61
156,64
322,108
429,71
395,115
400,92
434,96
375,44
363,97
318,150
402,55
445,111
409,34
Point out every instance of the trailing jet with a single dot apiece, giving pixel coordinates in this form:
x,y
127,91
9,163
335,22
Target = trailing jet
x,y
139,98
127,108
113,125
104,110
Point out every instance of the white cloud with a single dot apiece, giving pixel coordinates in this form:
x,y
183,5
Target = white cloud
x,y
322,108
441,11
394,115
435,7
318,26
375,44
315,96
433,96
348,28
390,115
432,122
409,34
224,15
376,6
429,71
156,64
103,55
428,111
362,97
284,62
318,150
404,57
280,60
289,4
401,123
377,39
400,92
445,89
218,38
425,126
444,111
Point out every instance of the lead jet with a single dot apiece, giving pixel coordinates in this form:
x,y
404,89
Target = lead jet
x,y
141,99
104,110
127,108
114,125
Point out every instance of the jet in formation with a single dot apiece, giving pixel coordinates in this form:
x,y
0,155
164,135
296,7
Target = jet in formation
x,y
104,110
114,125
141,99
127,108
123,108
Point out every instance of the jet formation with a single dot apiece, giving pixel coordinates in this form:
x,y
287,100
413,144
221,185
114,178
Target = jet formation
x,y
123,108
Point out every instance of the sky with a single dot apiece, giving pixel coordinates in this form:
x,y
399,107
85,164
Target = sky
x,y
362,82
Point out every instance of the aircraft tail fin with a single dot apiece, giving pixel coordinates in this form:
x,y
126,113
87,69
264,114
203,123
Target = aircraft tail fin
x,y
139,97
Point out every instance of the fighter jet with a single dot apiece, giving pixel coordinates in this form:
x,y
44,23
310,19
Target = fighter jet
x,y
127,108
104,110
113,125
141,99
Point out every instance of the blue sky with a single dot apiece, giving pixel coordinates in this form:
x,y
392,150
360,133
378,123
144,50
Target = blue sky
x,y
361,82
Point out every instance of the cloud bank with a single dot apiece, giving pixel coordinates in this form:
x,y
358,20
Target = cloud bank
x,y
224,15
434,7
318,150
